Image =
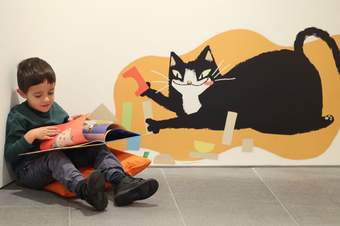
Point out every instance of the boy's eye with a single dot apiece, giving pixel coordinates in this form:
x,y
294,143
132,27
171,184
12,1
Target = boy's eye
x,y
50,93
37,96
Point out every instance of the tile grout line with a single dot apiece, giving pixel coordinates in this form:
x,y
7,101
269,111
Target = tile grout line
x,y
69,216
173,198
275,196
27,206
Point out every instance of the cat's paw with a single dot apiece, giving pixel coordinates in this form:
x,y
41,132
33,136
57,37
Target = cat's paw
x,y
148,84
329,118
145,92
153,125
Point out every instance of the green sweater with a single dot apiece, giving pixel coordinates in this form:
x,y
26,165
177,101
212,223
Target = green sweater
x,y
20,120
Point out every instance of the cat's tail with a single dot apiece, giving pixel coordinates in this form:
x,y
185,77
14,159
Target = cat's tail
x,y
313,31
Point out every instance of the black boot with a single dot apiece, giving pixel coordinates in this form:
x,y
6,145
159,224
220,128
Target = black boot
x,y
93,191
130,189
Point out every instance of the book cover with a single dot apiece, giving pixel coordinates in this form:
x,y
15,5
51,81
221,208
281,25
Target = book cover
x,y
81,132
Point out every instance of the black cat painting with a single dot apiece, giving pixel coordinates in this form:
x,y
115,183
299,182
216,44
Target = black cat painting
x,y
277,92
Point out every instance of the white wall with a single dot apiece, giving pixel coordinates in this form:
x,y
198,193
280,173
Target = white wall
x,y
8,99
89,42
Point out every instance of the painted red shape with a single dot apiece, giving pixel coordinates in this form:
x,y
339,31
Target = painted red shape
x,y
134,73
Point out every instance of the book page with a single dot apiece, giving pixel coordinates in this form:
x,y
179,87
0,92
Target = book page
x,y
95,129
71,133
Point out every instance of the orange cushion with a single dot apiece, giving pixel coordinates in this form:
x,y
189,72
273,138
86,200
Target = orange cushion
x,y
132,165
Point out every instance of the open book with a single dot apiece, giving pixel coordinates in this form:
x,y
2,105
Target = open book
x,y
81,133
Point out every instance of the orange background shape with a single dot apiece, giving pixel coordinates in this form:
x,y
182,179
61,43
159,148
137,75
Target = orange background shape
x,y
233,47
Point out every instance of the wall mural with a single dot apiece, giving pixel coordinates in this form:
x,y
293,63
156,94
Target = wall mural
x,y
237,89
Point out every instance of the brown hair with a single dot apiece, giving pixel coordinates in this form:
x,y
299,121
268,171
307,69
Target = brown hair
x,y
33,71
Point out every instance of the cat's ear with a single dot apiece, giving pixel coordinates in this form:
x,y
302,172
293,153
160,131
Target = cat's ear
x,y
175,60
206,54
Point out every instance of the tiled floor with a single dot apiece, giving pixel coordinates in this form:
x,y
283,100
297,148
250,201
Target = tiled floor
x,y
197,196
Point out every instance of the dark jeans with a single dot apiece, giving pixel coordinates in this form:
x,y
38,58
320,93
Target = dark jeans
x,y
63,167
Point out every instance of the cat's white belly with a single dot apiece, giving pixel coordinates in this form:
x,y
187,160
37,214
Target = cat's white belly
x,y
191,104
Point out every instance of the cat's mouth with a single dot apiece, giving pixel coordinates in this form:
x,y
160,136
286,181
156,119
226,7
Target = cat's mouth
x,y
190,83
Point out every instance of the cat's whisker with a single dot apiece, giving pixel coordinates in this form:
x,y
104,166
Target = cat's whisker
x,y
159,73
224,68
161,89
213,74
224,79
216,75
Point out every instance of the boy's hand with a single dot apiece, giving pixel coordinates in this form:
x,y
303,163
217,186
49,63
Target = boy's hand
x,y
77,116
41,133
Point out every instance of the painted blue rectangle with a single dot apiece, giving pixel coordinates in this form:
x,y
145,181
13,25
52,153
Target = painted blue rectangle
x,y
134,143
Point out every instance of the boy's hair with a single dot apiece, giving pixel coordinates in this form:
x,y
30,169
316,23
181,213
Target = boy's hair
x,y
33,71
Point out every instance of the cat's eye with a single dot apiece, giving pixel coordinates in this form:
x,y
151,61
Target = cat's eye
x,y
204,74
176,74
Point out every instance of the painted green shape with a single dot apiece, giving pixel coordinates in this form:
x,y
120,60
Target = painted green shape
x,y
146,154
127,115
203,147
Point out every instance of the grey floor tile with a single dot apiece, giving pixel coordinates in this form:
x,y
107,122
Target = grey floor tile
x,y
311,194
13,195
34,216
315,216
159,210
198,196
224,196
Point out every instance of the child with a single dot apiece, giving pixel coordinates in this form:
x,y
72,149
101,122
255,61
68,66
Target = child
x,y
32,121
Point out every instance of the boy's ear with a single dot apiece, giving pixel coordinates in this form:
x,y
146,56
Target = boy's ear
x,y
21,93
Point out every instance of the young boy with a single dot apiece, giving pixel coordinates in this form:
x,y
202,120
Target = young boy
x,y
32,121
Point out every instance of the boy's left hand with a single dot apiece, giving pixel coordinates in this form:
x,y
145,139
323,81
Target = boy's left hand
x,y
77,116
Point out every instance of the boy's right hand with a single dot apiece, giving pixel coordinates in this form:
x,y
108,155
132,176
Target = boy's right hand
x,y
41,133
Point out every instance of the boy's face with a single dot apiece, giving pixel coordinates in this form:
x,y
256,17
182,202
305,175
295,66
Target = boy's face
x,y
40,97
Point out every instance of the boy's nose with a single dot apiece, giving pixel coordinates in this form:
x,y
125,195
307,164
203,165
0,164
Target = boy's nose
x,y
47,99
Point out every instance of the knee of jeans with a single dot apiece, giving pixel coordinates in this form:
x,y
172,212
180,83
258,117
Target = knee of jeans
x,y
55,156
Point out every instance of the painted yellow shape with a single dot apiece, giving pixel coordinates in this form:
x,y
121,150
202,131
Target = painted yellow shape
x,y
178,142
102,122
203,147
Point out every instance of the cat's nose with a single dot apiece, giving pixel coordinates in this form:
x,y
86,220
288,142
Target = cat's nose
x,y
189,82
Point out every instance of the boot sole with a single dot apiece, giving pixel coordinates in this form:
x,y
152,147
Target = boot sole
x,y
140,192
96,183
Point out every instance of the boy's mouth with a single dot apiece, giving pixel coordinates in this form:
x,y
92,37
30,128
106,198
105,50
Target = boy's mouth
x,y
45,105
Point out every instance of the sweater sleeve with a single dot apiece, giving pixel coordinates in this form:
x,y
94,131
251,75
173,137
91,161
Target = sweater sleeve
x,y
15,143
